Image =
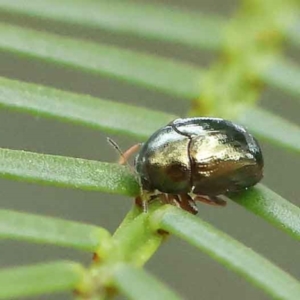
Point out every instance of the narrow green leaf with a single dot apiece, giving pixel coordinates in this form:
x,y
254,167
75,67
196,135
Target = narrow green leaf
x,y
40,279
81,109
271,127
93,112
283,74
43,101
150,71
145,286
101,114
293,32
228,251
39,229
273,208
164,23
67,172
111,178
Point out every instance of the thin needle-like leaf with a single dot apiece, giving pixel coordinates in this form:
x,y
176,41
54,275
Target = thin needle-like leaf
x,y
113,178
159,22
293,32
40,279
142,69
145,286
41,229
102,114
67,172
227,251
283,74
271,127
81,109
273,208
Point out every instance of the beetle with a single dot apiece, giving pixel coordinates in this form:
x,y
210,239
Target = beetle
x,y
197,159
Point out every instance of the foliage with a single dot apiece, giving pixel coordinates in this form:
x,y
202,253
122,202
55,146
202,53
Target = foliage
x,y
249,48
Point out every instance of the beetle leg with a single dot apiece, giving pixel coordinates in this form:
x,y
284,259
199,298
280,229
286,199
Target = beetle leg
x,y
144,200
128,153
142,203
218,201
211,200
183,201
187,203
171,199
138,201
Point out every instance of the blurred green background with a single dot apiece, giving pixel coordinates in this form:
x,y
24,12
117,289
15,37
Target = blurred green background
x,y
194,275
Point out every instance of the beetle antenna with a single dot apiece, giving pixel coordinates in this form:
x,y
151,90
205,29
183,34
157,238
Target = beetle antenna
x,y
118,149
123,157
116,146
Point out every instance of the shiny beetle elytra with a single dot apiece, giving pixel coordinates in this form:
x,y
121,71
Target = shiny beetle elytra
x,y
198,159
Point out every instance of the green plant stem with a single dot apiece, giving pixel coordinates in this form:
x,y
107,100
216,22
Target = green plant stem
x,y
137,284
250,59
130,216
134,244
135,239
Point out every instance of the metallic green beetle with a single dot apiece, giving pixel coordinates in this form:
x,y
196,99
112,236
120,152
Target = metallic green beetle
x,y
199,159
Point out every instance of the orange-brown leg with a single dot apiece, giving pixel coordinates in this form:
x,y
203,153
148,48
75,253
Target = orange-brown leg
x,y
138,201
183,201
164,198
211,200
187,203
128,153
169,199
